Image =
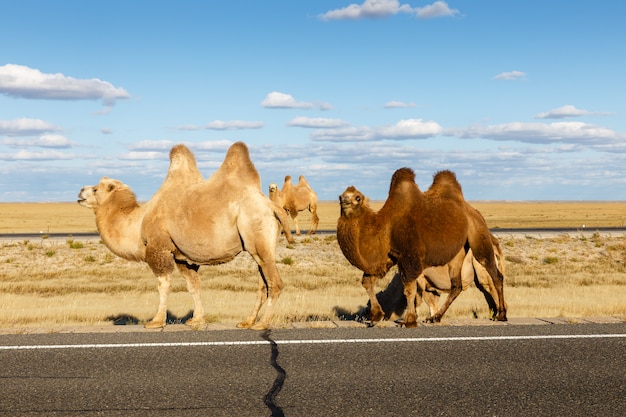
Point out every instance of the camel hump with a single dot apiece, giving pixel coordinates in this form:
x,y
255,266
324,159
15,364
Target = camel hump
x,y
237,162
401,175
183,164
446,184
302,180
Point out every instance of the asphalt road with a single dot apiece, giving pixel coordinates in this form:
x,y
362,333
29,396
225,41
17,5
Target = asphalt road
x,y
521,370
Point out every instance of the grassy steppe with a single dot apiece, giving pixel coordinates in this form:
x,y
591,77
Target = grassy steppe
x,y
72,218
51,282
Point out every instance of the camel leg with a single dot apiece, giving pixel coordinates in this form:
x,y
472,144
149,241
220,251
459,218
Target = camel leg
x,y
488,262
432,300
485,285
159,258
295,221
499,284
261,293
410,291
274,288
429,295
158,321
376,311
190,273
315,220
456,287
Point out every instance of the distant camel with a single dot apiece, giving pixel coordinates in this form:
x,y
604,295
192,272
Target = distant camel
x,y
436,279
296,199
416,230
191,222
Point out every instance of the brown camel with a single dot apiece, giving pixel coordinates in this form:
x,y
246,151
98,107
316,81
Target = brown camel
x,y
416,230
191,222
296,199
436,279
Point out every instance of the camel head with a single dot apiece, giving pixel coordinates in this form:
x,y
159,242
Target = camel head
x,y
352,202
275,194
93,196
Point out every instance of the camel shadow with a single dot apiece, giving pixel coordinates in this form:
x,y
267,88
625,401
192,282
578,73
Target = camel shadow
x,y
345,315
129,320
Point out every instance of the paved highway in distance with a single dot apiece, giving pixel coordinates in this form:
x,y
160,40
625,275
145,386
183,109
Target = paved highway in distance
x,y
543,232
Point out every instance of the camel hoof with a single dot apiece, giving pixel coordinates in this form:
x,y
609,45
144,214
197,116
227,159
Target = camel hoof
x,y
408,324
377,316
260,326
194,323
154,324
244,324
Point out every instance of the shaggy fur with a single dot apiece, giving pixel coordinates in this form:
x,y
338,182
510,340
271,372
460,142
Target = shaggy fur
x,y
296,199
415,230
191,222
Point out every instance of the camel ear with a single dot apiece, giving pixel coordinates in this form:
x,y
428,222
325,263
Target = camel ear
x,y
366,201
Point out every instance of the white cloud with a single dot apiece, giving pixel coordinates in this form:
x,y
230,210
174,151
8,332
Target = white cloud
x,y
404,129
398,105
24,82
510,76
45,141
221,125
233,125
320,123
410,129
384,8
158,149
47,155
565,132
54,141
26,127
563,112
212,146
437,9
279,100
143,156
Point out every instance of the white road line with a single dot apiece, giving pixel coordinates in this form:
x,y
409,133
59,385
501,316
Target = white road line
x,y
309,342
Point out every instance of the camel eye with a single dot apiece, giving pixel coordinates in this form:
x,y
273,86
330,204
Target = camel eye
x,y
358,198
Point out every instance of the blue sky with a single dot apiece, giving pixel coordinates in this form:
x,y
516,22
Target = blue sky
x,y
524,100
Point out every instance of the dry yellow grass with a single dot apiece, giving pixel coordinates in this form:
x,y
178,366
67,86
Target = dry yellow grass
x,y
72,218
47,283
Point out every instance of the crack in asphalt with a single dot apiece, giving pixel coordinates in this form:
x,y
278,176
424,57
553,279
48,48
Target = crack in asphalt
x,y
281,374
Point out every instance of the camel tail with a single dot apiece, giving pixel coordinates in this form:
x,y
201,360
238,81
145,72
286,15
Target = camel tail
x,y
282,218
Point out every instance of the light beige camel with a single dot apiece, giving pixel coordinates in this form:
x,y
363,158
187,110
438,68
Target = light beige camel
x,y
191,222
295,199
415,230
436,279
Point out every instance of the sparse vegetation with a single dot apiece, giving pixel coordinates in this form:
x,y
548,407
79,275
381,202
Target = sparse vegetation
x,y
50,282
56,285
